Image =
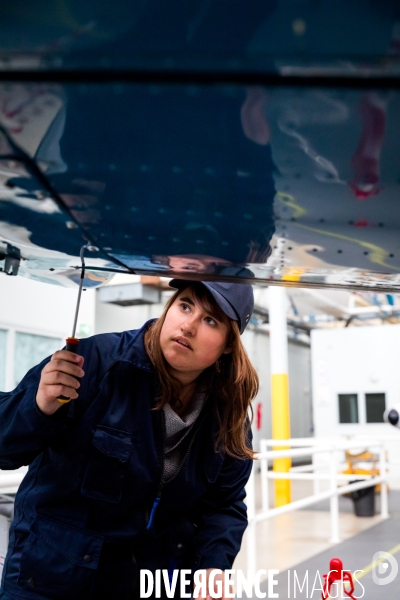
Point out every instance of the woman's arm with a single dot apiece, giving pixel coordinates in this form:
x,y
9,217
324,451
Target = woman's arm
x,y
59,378
223,516
25,429
30,415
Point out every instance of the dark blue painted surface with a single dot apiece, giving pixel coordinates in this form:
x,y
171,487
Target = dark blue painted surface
x,y
206,34
165,178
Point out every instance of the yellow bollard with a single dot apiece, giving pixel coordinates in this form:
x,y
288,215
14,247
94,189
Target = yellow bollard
x,y
281,431
279,387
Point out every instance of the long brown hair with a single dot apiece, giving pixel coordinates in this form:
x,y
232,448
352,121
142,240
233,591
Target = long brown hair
x,y
234,379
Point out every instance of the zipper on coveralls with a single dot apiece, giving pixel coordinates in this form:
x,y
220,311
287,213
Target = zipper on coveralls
x,y
154,507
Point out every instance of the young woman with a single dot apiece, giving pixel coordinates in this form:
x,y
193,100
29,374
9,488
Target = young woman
x,y
145,467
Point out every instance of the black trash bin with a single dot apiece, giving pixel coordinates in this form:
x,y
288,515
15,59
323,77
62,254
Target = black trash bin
x,y
363,501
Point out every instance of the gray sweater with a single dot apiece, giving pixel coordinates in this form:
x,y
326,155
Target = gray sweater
x,y
177,430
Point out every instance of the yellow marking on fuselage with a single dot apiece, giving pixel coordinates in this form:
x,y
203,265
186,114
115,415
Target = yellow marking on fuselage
x,y
377,254
289,200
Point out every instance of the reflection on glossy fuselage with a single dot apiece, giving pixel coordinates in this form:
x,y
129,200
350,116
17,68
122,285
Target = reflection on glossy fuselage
x,y
297,183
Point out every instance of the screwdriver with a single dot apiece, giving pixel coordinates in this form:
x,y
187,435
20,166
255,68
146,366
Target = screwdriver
x,y
72,343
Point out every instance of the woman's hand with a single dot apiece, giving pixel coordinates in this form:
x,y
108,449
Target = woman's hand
x,y
58,378
217,585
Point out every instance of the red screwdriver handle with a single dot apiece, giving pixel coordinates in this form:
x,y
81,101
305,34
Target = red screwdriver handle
x,y
72,345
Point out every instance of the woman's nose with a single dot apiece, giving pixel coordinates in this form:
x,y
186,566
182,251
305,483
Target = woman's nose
x,y
189,325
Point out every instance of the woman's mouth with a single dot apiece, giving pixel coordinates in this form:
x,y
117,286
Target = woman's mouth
x,y
183,343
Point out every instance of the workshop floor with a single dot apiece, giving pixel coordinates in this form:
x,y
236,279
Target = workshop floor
x,y
288,539
297,544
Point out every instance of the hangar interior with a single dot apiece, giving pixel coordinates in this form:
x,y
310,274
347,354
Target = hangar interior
x,y
240,142
342,377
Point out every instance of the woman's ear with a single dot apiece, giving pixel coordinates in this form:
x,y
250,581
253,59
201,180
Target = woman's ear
x,y
228,350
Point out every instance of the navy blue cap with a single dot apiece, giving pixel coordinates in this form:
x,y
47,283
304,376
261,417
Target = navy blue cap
x,y
235,299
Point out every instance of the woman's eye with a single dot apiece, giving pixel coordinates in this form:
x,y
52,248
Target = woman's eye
x,y
211,321
184,306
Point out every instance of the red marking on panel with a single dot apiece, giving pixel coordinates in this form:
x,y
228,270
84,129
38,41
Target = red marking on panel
x,y
259,416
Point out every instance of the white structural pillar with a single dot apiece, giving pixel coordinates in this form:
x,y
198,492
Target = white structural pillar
x,y
279,386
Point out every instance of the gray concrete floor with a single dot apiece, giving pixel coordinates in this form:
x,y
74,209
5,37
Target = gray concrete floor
x,y
299,541
357,553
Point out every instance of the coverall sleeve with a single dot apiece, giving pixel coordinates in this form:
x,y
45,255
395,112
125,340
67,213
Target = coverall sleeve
x,y
25,430
223,516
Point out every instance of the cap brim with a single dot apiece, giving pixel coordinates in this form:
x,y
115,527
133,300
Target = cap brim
x,y
220,300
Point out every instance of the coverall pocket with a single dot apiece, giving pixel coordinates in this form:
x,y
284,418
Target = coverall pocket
x,y
58,560
104,476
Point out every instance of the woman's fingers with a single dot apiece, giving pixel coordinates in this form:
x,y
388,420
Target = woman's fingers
x,y
68,356
63,366
55,378
59,378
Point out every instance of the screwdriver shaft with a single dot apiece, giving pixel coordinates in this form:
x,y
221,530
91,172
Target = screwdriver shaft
x,y
80,290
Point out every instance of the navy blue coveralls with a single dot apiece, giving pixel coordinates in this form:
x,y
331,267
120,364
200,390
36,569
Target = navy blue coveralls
x,y
95,467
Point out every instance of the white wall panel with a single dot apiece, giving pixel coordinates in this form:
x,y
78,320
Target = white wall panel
x,y
257,344
355,360
41,309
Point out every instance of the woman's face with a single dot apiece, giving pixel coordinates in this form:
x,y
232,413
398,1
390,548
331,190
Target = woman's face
x,y
191,338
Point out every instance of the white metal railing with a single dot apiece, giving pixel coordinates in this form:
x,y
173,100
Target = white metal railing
x,y
10,480
339,483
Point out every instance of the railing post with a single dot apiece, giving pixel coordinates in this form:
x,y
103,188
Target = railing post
x,y
316,486
251,528
334,501
280,410
264,478
384,494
